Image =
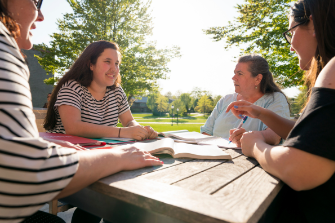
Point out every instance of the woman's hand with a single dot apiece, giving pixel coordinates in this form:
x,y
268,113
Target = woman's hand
x,y
151,132
137,132
242,108
236,135
133,158
66,144
248,141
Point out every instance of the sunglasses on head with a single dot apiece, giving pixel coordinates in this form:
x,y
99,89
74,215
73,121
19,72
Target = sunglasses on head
x,y
38,4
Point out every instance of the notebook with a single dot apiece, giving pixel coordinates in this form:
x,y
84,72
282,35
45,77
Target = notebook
x,y
185,150
72,139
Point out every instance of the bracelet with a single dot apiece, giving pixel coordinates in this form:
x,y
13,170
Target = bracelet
x,y
119,132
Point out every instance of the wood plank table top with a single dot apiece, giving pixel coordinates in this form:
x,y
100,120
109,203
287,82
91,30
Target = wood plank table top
x,y
183,190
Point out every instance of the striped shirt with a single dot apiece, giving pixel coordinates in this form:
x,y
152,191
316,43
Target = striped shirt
x,y
32,171
103,112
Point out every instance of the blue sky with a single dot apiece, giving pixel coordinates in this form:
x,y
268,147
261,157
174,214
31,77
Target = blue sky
x,y
204,63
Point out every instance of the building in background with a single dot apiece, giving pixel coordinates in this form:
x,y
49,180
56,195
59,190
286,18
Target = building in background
x,y
39,89
140,105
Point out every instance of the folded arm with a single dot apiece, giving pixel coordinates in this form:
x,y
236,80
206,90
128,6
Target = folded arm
x,y
298,169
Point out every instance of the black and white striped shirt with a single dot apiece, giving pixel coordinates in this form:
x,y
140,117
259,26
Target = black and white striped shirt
x,y
32,171
103,112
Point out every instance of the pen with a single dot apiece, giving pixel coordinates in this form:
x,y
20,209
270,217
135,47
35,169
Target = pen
x,y
241,123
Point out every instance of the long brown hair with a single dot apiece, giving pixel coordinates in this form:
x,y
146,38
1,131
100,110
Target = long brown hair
x,y
80,71
323,16
12,26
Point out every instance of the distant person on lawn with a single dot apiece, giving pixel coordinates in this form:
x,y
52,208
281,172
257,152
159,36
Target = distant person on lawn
x,y
254,83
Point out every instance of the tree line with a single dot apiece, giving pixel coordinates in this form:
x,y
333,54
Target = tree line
x,y
182,103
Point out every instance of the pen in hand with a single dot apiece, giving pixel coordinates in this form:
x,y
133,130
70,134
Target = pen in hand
x,y
241,123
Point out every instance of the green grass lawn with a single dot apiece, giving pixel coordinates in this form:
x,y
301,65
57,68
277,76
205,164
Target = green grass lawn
x,y
163,123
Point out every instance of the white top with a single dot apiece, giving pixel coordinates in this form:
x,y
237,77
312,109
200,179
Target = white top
x,y
103,112
32,171
219,122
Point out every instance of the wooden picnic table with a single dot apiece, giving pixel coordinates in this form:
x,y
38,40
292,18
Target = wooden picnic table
x,y
183,190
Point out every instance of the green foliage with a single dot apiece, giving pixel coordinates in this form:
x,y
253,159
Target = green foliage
x,y
162,104
216,99
151,102
126,22
187,100
298,103
259,29
177,104
205,105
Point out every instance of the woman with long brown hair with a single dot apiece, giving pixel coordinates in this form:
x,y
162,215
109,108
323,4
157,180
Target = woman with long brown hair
x,y
34,171
88,100
306,161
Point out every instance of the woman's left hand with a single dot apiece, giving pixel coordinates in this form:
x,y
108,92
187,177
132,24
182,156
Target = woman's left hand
x,y
236,135
151,132
249,140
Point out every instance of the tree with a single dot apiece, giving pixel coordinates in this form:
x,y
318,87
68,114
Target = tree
x,y
298,103
152,101
204,105
126,22
178,104
162,104
187,100
259,27
216,99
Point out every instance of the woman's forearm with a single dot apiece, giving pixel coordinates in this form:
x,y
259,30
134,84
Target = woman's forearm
x,y
298,169
93,165
271,137
281,126
90,130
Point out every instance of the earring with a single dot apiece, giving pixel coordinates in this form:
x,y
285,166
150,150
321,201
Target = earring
x,y
255,87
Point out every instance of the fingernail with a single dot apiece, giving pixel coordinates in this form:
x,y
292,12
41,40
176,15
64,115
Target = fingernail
x,y
162,162
240,115
235,106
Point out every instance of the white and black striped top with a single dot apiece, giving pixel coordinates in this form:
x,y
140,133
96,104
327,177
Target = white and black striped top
x,y
103,112
32,171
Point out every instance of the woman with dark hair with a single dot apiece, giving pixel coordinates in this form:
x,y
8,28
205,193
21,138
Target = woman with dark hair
x,y
34,171
254,83
88,100
306,161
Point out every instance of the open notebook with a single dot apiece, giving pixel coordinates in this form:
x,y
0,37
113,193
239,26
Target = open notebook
x,y
178,150
198,138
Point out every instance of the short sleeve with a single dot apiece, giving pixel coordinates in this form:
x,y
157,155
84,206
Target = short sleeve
x,y
123,103
279,105
69,94
313,131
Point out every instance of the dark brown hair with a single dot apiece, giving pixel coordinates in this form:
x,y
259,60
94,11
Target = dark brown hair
x,y
80,71
259,65
12,26
323,17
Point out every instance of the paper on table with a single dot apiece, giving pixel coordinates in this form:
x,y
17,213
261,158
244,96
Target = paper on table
x,y
219,141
